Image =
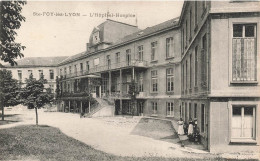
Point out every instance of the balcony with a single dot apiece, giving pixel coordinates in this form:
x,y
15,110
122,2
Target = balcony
x,y
98,69
141,95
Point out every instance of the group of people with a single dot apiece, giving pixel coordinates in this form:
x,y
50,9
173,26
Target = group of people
x,y
190,129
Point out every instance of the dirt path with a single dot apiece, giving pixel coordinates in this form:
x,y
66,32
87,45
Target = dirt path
x,y
111,135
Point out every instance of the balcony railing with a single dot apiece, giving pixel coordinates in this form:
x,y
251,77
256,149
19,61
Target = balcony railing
x,y
96,69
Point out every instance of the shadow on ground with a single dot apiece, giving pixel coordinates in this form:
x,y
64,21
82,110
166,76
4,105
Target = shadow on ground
x,y
156,129
10,118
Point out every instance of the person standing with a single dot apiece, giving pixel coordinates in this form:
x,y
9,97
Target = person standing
x,y
180,128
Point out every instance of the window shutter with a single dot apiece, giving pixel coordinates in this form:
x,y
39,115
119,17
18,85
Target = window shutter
x,y
203,68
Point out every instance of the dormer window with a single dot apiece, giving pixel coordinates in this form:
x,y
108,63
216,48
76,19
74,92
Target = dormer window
x,y
96,38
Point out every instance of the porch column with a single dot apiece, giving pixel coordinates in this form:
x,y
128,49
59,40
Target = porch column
x,y
121,89
69,106
109,82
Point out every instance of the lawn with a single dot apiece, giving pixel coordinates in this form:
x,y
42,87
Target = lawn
x,y
48,143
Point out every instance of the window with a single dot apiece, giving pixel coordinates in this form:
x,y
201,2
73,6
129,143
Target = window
x,y
195,110
30,72
189,110
196,13
154,107
61,72
52,88
128,57
51,74
244,53
182,72
169,107
186,33
204,61
153,50
20,76
140,53
118,57
81,67
190,22
75,69
65,71
141,83
169,47
87,65
182,40
186,75
40,73
202,117
96,61
154,81
70,70
196,66
243,122
170,80
190,69
108,62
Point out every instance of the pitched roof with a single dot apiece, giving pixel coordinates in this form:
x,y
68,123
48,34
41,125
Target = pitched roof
x,y
37,61
140,34
149,30
70,58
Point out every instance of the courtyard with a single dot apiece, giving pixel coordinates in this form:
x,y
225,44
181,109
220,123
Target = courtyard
x,y
117,138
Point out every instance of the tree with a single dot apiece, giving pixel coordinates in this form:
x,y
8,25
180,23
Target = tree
x,y
9,90
10,20
34,95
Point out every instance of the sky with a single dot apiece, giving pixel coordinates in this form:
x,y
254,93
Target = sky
x,y
50,30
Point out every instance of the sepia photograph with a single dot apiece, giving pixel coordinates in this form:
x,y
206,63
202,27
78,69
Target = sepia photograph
x,y
129,80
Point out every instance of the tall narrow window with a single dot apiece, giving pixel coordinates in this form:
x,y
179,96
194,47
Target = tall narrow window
x,y
30,72
153,50
40,73
196,13
190,22
61,72
141,83
186,33
87,66
244,58
186,74
154,107
65,71
190,69
189,110
128,57
195,110
169,80
70,70
170,111
196,66
204,4
81,66
118,57
20,75
169,47
183,80
51,74
202,117
108,62
75,69
204,62
182,40
154,77
140,53
243,122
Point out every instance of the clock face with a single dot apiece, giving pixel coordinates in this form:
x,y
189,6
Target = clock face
x,y
96,38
